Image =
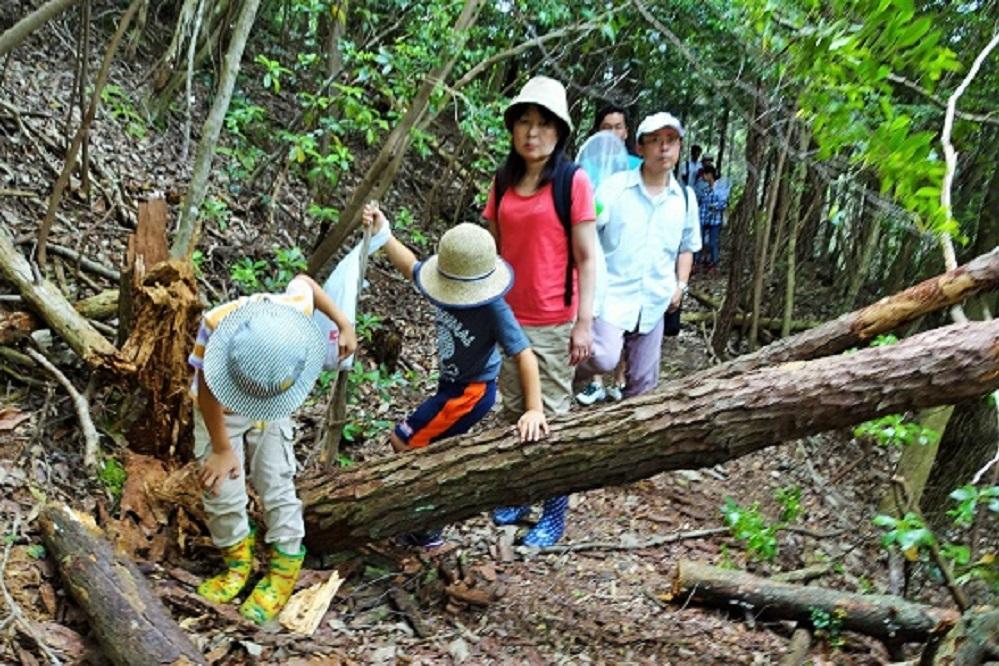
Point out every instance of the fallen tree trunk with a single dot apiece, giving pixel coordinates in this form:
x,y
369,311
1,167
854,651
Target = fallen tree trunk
x,y
855,328
739,319
883,616
130,622
973,641
44,298
683,425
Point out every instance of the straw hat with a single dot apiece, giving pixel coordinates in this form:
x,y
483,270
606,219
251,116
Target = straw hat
x,y
542,91
465,272
656,122
263,359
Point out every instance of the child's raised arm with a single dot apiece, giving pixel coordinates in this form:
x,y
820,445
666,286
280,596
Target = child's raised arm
x,y
401,256
532,423
348,338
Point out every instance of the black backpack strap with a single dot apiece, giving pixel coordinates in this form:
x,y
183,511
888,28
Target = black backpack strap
x,y
562,194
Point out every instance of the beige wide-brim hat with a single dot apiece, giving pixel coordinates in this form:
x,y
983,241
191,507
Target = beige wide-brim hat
x,y
543,91
263,360
466,271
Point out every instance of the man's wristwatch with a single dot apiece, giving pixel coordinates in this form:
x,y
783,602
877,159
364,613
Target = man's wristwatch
x,y
682,286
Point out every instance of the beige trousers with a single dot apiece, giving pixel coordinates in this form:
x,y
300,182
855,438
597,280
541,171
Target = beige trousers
x,y
550,345
268,447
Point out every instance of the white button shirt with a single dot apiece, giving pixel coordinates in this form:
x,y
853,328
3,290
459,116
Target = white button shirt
x,y
641,237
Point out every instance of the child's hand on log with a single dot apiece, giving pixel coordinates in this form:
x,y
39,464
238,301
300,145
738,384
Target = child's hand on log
x,y
532,425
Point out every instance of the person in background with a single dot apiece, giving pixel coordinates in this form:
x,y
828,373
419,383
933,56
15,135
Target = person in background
x,y
553,259
649,228
612,118
693,165
711,203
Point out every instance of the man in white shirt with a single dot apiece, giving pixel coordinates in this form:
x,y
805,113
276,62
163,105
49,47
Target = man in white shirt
x,y
649,228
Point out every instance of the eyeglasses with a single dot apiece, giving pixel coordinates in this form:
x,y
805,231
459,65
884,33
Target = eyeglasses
x,y
659,141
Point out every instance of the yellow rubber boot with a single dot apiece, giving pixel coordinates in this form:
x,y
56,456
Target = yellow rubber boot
x,y
272,592
238,561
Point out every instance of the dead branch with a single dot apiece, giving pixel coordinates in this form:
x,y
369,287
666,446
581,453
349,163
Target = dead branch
x,y
81,132
649,543
91,440
17,33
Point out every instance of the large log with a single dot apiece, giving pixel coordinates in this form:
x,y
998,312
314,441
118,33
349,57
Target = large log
x,y
883,616
130,622
860,326
683,425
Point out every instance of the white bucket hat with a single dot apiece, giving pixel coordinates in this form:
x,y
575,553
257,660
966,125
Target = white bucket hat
x,y
263,359
656,122
465,272
543,91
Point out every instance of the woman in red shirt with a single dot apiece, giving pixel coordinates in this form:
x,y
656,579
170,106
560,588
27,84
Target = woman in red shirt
x,y
555,313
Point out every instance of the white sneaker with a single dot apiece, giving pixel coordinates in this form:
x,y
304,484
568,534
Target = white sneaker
x,y
592,393
614,392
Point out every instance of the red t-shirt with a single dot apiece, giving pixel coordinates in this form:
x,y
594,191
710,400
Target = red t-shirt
x,y
533,241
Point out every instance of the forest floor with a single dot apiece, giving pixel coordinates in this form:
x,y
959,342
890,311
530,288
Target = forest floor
x,y
604,600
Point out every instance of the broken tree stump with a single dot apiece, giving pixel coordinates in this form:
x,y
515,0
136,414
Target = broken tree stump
x,y
130,622
883,616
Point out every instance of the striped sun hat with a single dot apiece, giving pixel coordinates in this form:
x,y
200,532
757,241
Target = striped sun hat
x,y
263,359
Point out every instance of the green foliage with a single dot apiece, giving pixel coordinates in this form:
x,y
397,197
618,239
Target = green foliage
x,y
883,340
405,224
120,106
112,476
750,527
968,499
198,259
273,71
366,325
216,210
789,497
894,430
288,263
36,551
907,533
248,274
828,626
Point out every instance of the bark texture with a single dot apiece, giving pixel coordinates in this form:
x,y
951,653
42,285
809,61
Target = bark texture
x,y
881,615
18,32
857,327
130,622
683,425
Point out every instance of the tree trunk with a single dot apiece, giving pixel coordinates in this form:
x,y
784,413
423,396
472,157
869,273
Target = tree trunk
x,y
901,266
763,243
855,328
189,224
723,136
384,167
740,225
166,313
868,244
986,239
130,622
695,423
975,640
814,199
18,32
880,615
800,175
967,443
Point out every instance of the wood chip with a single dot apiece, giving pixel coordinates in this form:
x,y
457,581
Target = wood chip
x,y
305,609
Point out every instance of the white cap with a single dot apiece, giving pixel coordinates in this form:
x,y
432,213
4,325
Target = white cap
x,y
656,122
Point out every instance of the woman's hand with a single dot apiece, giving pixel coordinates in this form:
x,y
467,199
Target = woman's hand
x,y
580,342
217,468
